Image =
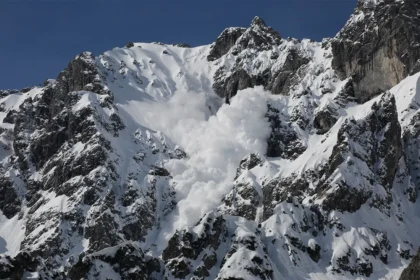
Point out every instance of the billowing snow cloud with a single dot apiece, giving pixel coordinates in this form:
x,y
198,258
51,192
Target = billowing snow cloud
x,y
215,145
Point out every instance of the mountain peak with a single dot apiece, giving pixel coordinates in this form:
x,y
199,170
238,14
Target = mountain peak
x,y
257,21
130,166
369,4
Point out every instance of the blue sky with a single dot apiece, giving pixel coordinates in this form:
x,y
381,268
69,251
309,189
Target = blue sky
x,y
39,38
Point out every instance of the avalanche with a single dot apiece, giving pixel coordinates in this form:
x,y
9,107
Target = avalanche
x,y
255,157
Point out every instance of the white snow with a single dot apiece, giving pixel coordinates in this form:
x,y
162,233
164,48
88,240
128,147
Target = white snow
x,y
12,232
215,147
164,96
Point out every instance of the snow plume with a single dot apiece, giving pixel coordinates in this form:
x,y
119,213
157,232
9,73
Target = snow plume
x,y
214,144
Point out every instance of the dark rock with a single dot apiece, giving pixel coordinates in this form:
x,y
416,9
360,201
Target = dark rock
x,y
324,120
224,43
315,253
201,272
15,268
80,73
282,189
245,44
159,171
411,144
26,89
177,154
283,141
104,231
10,204
381,248
179,268
183,45
210,261
126,259
282,80
188,245
344,264
248,163
259,267
381,155
228,87
4,93
346,199
279,82
412,271
380,49
244,201
144,212
259,36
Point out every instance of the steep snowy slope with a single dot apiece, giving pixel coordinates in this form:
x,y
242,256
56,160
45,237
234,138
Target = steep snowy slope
x,y
256,157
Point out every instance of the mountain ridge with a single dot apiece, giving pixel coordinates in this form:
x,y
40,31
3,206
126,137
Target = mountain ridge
x,y
255,157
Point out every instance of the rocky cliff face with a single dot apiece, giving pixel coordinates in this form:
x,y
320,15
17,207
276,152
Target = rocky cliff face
x,y
379,46
412,271
130,165
255,53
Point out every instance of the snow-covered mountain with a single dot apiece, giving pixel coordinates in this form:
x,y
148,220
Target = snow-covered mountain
x,y
255,157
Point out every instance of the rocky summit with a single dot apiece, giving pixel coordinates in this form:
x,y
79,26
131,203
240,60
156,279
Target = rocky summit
x,y
255,157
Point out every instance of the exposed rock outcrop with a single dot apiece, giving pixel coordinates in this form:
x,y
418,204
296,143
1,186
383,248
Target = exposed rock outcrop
x,y
412,272
225,42
358,146
202,242
283,141
245,45
379,46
